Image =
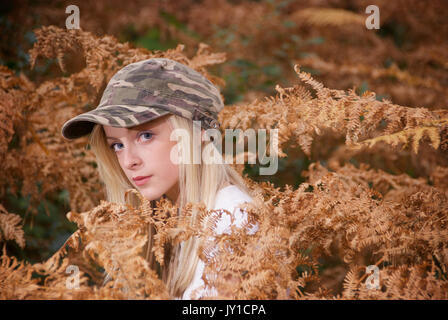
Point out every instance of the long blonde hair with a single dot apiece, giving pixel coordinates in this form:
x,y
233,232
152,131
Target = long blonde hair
x,y
197,183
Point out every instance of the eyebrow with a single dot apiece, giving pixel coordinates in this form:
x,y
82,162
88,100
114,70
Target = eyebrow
x,y
137,131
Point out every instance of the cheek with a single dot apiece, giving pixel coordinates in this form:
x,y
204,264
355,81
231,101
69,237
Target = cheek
x,y
171,159
173,155
166,167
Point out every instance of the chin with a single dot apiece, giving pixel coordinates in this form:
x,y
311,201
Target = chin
x,y
150,195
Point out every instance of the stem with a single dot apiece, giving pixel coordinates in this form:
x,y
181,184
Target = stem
x,y
37,140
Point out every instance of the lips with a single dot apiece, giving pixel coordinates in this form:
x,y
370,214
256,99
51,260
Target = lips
x,y
141,180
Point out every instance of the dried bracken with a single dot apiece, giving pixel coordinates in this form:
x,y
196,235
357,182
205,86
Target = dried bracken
x,y
353,215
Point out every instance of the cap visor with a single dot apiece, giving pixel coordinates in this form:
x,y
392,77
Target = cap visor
x,y
120,116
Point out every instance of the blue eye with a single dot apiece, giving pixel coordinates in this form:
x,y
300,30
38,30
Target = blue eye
x,y
144,133
148,133
112,146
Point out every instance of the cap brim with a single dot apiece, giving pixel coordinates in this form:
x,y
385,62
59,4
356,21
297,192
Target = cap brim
x,y
119,116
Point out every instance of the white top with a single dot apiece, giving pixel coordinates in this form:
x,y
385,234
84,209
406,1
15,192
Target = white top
x,y
227,198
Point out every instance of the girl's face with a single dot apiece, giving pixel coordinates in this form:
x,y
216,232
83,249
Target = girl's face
x,y
144,150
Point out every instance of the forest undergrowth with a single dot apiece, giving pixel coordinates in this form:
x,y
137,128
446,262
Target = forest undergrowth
x,y
349,213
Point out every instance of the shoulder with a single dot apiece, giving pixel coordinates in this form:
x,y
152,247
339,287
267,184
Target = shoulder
x,y
229,198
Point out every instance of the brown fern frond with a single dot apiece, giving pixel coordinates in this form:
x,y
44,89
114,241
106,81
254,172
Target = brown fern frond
x,y
405,136
10,227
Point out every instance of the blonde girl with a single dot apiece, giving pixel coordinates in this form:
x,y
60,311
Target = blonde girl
x,y
131,133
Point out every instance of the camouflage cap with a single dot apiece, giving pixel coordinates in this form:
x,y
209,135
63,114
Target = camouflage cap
x,y
146,90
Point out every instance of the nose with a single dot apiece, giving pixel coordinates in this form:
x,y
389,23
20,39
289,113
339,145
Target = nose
x,y
131,157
